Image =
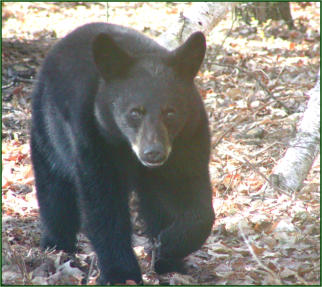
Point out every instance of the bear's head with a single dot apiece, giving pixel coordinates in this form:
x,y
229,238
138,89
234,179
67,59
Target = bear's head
x,y
149,97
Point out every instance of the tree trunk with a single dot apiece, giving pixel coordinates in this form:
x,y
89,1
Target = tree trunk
x,y
202,16
263,11
293,168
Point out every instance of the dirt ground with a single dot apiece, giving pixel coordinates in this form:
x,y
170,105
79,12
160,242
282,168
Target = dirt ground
x,y
258,238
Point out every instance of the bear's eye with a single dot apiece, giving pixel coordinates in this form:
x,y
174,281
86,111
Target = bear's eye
x,y
137,113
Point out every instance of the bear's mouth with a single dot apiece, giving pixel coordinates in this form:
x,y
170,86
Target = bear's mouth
x,y
151,159
152,164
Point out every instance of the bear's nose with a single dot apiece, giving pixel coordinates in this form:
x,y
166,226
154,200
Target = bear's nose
x,y
154,154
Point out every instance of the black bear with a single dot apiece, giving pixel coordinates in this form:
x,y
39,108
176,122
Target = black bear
x,y
114,112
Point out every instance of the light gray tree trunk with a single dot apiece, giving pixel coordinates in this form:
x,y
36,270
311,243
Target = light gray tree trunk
x,y
199,16
293,168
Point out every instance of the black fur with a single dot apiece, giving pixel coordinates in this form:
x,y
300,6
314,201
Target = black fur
x,y
114,112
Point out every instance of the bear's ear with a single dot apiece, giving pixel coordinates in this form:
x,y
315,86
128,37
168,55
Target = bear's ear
x,y
110,59
187,58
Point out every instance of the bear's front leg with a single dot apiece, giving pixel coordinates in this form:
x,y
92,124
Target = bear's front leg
x,y
192,224
104,203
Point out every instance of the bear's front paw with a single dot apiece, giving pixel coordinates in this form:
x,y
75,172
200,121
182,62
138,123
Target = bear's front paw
x,y
162,266
67,244
119,278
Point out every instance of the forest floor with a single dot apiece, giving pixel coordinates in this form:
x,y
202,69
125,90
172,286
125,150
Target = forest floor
x,y
258,238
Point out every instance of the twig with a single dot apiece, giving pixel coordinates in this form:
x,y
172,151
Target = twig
x,y
273,274
20,79
17,79
230,182
269,181
236,123
8,86
228,130
279,74
265,149
301,279
18,259
270,95
223,42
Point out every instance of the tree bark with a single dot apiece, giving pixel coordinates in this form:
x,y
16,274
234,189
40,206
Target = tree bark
x,y
263,11
202,16
290,172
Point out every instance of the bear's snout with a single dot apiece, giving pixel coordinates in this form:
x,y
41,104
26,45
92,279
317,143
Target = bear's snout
x,y
155,155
